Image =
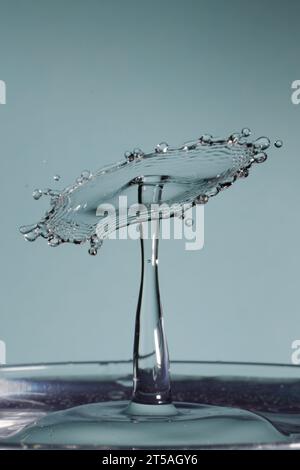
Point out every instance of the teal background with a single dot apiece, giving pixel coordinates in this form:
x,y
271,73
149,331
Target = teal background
x,y
87,80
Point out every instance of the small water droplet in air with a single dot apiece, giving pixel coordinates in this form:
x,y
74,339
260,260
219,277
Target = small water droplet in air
x,y
202,199
262,143
37,194
162,147
278,144
56,177
246,132
261,157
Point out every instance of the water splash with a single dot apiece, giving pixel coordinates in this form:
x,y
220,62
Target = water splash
x,y
184,176
193,173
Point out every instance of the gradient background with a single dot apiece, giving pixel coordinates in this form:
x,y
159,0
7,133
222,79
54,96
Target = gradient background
x,y
89,79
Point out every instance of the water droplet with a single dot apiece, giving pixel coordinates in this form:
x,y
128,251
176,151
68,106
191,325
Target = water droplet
x,y
278,144
95,243
243,173
162,147
129,156
32,236
27,229
262,143
191,145
43,230
52,193
85,175
37,194
202,199
206,139
225,185
138,153
138,180
54,241
261,157
61,216
234,138
94,238
56,177
246,132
